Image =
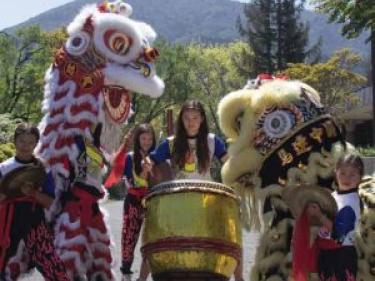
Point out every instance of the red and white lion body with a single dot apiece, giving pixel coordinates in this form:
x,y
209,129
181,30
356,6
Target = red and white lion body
x,y
107,56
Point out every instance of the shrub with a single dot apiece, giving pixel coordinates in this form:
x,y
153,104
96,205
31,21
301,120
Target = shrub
x,y
7,150
367,151
7,127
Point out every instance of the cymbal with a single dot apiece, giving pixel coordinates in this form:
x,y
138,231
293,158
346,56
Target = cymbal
x,y
297,198
12,182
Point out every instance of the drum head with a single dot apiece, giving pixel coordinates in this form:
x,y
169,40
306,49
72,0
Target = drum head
x,y
11,184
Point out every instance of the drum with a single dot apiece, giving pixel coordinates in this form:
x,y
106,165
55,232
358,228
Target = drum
x,y
192,231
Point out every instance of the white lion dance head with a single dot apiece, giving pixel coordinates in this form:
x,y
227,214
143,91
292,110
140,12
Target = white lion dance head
x,y
106,57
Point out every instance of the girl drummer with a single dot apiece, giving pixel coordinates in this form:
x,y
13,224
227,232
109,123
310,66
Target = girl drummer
x,y
192,149
25,238
136,182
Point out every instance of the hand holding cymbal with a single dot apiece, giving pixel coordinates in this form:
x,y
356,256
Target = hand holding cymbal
x,y
25,179
28,189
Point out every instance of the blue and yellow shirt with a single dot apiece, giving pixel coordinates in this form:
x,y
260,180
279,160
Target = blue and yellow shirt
x,y
133,180
190,171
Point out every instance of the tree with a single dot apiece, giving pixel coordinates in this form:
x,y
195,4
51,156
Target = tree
x,y
193,71
216,72
356,16
275,33
293,35
335,80
24,58
7,127
259,33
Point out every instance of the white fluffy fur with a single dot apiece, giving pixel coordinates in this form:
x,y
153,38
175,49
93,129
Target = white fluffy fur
x,y
147,31
51,89
119,71
236,102
77,23
104,22
130,79
99,242
141,33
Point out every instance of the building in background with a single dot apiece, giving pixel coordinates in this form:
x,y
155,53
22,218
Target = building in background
x,y
358,119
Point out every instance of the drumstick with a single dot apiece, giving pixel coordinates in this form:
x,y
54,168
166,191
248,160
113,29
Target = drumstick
x,y
128,138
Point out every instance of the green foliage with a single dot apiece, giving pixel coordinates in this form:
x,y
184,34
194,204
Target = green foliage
x,y
335,79
216,71
259,33
276,34
7,150
193,71
366,151
355,15
24,58
7,127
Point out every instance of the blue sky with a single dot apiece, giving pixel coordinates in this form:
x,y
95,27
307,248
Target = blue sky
x,y
11,12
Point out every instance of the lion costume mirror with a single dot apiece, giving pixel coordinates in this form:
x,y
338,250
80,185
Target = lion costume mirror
x,y
107,56
280,135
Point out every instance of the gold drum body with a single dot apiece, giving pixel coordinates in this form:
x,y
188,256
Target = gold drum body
x,y
192,231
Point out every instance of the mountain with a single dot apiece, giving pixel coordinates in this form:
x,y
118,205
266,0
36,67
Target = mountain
x,y
211,21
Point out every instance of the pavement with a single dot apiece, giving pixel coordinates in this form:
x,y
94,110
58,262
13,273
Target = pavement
x,y
114,211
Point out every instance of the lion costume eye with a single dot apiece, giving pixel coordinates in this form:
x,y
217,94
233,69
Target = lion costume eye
x,y
277,124
78,44
274,125
117,42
